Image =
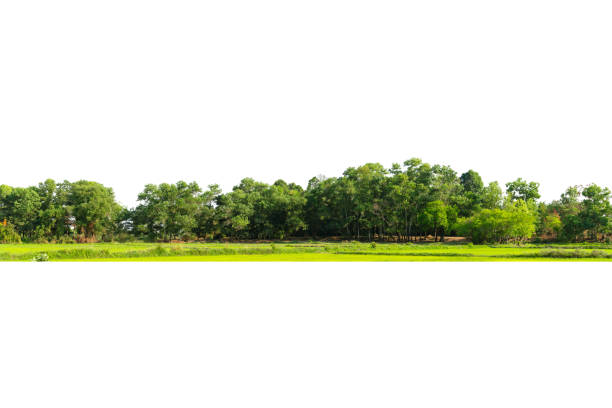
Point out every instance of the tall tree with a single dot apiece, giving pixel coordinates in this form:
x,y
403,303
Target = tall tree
x,y
93,207
596,210
22,207
492,196
434,219
523,190
169,211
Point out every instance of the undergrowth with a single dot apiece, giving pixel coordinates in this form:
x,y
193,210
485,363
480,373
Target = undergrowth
x,y
74,252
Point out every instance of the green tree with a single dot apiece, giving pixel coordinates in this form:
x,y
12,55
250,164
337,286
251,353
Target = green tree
x,y
207,218
53,210
471,199
8,235
523,190
596,210
516,223
472,182
22,209
434,219
568,208
169,211
93,208
401,194
492,196
521,221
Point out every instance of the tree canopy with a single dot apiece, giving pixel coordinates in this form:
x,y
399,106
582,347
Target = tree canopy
x,y
405,202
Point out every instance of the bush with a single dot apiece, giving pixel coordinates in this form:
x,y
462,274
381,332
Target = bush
x,y
42,257
188,236
64,239
8,235
124,237
373,245
555,253
516,223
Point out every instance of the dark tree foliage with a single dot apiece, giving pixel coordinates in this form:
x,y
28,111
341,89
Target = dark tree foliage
x,y
82,211
407,202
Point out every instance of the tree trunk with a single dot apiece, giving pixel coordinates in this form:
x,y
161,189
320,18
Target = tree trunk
x,y
410,230
406,224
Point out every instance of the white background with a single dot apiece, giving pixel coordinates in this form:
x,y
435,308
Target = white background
x,y
304,335
128,92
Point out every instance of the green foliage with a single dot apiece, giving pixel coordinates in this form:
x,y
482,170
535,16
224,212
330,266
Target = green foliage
x,y
433,218
65,240
42,257
523,190
8,235
407,202
585,213
551,225
596,210
577,253
23,205
306,252
516,223
472,182
492,196
256,210
168,211
93,207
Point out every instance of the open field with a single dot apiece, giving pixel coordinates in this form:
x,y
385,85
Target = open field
x,y
304,251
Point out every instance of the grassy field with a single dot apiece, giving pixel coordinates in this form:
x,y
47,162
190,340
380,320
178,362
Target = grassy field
x,y
304,252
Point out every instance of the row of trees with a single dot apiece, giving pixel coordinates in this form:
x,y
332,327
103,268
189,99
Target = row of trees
x,y
59,211
403,203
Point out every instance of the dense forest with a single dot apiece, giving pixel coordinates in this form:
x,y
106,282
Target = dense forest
x,y
403,203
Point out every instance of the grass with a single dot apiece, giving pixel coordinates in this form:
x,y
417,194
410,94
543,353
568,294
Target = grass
x,y
305,252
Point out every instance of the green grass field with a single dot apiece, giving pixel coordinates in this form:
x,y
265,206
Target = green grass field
x,y
304,252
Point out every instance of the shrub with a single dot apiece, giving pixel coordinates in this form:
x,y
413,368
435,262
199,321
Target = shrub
x,y
514,223
189,236
556,253
64,239
42,257
8,235
124,237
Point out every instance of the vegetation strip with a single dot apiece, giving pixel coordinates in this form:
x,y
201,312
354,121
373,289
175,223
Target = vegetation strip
x,y
325,251
406,203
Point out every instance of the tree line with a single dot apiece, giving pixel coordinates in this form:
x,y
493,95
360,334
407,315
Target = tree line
x,y
403,203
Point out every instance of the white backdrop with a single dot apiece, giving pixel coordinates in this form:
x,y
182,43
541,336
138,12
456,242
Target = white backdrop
x,y
304,335
128,92
131,92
